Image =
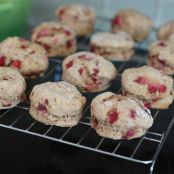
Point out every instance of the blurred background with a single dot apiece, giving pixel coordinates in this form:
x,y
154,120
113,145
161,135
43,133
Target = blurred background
x,y
15,14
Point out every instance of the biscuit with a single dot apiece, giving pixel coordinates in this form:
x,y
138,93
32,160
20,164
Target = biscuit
x,y
113,46
78,17
28,58
133,22
154,88
119,117
57,39
88,71
56,103
12,87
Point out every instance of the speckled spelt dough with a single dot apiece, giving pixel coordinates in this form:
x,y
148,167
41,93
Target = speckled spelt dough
x,y
57,39
133,22
12,87
149,85
119,117
28,58
88,71
165,31
161,56
78,17
56,103
113,46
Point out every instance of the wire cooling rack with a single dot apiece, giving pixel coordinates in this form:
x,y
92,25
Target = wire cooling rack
x,y
142,150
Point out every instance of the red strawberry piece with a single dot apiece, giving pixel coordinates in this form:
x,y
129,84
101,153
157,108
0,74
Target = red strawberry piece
x,y
24,46
96,71
147,105
141,80
162,44
69,44
44,32
46,101
46,47
67,33
69,64
155,100
162,88
162,62
80,70
94,123
117,20
94,75
152,88
61,12
133,113
85,57
2,60
42,108
130,133
93,49
156,87
112,116
16,64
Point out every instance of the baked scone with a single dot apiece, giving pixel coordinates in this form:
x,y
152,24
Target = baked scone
x,y
57,39
12,87
151,86
113,46
56,103
119,117
88,71
80,18
28,58
165,31
161,56
133,22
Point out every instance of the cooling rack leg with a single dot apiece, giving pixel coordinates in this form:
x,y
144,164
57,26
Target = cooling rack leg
x,y
152,167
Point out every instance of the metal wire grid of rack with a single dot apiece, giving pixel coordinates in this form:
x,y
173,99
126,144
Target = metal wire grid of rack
x,y
142,150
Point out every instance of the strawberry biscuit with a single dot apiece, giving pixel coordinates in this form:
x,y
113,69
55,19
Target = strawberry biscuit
x,y
12,87
113,46
28,58
78,17
57,39
161,56
56,103
149,85
133,22
88,71
119,117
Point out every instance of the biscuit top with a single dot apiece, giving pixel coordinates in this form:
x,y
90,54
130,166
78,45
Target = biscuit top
x,y
119,39
12,83
52,33
76,12
88,63
61,97
164,50
28,55
121,111
135,16
147,82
